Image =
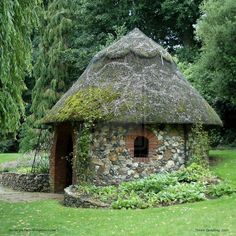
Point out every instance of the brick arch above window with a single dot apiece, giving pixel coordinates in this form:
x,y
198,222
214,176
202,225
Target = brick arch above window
x,y
152,143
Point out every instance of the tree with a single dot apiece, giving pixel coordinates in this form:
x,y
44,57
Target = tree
x,y
170,22
16,23
56,66
179,17
214,72
216,67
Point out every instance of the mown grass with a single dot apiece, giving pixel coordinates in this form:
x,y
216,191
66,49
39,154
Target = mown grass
x,y
5,157
212,217
225,164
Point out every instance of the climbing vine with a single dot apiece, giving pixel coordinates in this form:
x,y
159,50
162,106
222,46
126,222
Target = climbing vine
x,y
199,145
83,146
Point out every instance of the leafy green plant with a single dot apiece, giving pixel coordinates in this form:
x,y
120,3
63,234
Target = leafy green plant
x,y
24,164
43,165
132,201
219,190
83,157
199,145
192,173
154,183
181,193
191,184
24,170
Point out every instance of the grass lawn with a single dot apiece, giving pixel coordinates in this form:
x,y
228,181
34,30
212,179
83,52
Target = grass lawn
x,y
226,166
212,217
4,157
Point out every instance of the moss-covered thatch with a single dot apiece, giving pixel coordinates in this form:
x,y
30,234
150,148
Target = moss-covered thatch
x,y
145,86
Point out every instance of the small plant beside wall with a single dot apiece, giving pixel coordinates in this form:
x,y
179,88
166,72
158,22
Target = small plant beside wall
x,y
24,163
200,145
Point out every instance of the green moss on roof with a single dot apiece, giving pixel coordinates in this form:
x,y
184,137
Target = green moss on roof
x,y
87,104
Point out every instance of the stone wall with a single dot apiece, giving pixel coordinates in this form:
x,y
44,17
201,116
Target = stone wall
x,y
113,159
25,182
71,199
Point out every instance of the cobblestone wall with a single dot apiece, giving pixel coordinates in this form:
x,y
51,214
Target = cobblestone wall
x,y
113,158
25,182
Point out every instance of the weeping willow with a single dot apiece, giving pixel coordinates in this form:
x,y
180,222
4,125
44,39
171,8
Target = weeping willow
x,y
56,66
17,19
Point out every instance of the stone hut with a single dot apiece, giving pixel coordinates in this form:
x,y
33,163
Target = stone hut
x,y
129,115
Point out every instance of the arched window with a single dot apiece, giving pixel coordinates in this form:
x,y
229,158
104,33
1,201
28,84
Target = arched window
x,y
141,146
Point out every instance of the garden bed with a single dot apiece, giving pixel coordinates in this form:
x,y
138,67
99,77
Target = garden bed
x,y
190,184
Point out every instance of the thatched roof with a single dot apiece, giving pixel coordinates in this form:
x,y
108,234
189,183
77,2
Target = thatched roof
x,y
149,87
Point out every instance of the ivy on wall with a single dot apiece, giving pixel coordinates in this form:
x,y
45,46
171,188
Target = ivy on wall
x,y
83,141
199,145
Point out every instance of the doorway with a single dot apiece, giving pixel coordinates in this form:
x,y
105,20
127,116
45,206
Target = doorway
x,y
62,164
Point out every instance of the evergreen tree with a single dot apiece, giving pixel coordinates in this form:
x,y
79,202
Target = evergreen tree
x,y
16,22
56,66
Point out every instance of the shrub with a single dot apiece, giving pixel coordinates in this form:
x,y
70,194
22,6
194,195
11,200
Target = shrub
x,y
219,190
154,183
182,193
42,164
25,162
132,201
24,170
193,173
6,143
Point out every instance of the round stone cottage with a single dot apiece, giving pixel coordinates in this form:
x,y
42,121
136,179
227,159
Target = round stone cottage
x,y
129,115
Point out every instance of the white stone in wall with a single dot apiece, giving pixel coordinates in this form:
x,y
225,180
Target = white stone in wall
x,y
130,172
170,164
136,176
122,142
181,160
135,164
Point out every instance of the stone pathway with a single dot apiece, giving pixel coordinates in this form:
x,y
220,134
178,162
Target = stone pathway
x,y
10,195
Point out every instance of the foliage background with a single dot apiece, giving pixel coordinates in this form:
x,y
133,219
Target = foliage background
x,y
55,39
